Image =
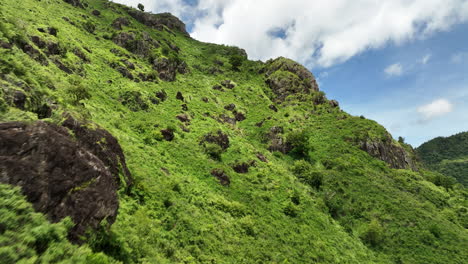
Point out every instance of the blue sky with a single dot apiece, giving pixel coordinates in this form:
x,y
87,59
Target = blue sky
x,y
403,63
363,88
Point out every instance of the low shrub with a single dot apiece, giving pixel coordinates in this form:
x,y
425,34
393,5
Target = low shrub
x,y
307,174
373,234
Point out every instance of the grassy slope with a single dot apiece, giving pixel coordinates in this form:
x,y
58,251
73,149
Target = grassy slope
x,y
363,212
447,155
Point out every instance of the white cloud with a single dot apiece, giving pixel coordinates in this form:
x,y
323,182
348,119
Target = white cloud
x,y
426,59
316,33
394,70
435,109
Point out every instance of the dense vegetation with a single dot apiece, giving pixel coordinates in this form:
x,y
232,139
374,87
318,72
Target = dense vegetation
x,y
447,155
226,169
27,236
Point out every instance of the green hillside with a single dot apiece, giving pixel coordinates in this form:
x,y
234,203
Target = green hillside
x,y
232,160
447,155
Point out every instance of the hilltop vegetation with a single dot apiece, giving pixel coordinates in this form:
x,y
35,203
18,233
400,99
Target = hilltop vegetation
x,y
447,155
229,160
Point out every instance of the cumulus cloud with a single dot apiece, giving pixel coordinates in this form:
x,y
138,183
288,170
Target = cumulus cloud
x,y
435,109
315,33
394,70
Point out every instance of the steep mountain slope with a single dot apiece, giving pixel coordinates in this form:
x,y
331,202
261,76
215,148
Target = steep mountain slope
x,y
232,161
447,155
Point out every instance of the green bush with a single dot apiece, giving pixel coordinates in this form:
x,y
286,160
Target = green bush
x,y
27,236
299,141
153,137
89,26
3,106
77,94
236,61
442,180
291,210
319,98
307,174
213,150
373,235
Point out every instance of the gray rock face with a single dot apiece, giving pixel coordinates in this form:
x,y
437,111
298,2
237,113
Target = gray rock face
x,y
394,155
64,176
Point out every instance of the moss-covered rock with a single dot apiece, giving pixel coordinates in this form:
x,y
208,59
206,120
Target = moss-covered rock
x,y
286,77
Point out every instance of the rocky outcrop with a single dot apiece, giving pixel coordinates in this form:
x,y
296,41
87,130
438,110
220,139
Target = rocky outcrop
x,y
5,45
221,176
218,138
386,150
277,141
119,22
243,167
76,3
286,77
159,21
168,68
64,175
135,43
334,103
168,134
134,100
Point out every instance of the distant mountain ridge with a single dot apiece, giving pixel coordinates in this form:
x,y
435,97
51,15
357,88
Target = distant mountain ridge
x,y
447,155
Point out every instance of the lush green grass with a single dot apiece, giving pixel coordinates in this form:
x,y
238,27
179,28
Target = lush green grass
x,y
360,211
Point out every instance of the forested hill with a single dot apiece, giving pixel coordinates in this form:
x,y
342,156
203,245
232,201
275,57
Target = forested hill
x,y
448,155
124,140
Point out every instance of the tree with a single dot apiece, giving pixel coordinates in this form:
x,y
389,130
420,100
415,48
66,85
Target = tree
x,y
141,7
401,140
299,141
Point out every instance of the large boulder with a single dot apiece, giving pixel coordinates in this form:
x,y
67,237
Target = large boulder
x,y
286,77
63,174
